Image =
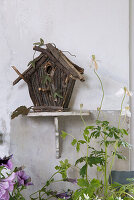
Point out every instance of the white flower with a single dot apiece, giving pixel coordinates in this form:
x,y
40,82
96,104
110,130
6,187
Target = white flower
x,y
96,198
86,196
80,198
119,198
126,111
122,91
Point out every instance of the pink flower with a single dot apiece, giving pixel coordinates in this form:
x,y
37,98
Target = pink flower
x,y
23,178
6,186
6,161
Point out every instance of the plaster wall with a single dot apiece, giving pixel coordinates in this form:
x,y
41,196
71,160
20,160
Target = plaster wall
x,y
131,77
81,27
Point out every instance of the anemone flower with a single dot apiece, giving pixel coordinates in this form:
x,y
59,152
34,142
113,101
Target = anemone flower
x,y
6,186
23,178
6,161
86,196
126,111
122,91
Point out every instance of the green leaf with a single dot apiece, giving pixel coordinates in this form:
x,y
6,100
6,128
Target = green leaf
x,y
82,141
111,198
64,134
130,179
78,147
22,110
107,143
123,131
95,183
86,132
83,170
116,136
94,160
95,134
90,127
124,144
82,182
122,157
45,79
41,42
74,142
57,95
36,43
30,63
80,160
57,167
86,138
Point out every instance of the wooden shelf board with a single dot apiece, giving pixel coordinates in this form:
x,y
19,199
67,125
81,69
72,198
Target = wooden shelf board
x,y
57,114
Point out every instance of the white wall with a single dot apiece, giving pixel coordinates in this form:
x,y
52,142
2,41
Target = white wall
x,y
81,27
131,77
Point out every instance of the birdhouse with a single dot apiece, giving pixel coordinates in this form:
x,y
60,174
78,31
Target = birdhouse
x,y
51,79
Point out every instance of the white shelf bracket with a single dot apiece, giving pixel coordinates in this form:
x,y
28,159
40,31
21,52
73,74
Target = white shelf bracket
x,y
57,137
56,122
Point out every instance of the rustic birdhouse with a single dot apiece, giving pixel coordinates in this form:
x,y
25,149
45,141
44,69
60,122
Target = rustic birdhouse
x,y
51,79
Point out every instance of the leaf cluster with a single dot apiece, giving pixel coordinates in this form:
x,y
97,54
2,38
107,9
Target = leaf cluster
x,y
63,167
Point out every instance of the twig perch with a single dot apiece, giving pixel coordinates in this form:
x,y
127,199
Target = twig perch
x,y
20,75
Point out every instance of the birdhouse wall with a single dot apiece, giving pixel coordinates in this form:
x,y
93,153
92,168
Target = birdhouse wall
x,y
49,85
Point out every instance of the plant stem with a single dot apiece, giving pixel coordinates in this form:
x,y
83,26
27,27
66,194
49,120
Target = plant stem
x,y
129,195
87,162
82,117
105,171
116,144
86,143
121,109
102,93
44,185
34,54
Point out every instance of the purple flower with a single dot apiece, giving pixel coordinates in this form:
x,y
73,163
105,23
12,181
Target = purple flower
x,y
71,180
6,186
23,179
64,195
6,161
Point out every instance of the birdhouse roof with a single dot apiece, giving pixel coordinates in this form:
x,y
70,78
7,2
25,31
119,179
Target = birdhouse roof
x,y
57,57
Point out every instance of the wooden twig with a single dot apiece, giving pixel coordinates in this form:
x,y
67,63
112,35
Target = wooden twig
x,y
20,75
27,70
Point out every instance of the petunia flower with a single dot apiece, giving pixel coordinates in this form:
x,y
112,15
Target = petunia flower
x,y
71,180
126,111
122,91
86,196
6,161
23,178
93,63
6,186
64,195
